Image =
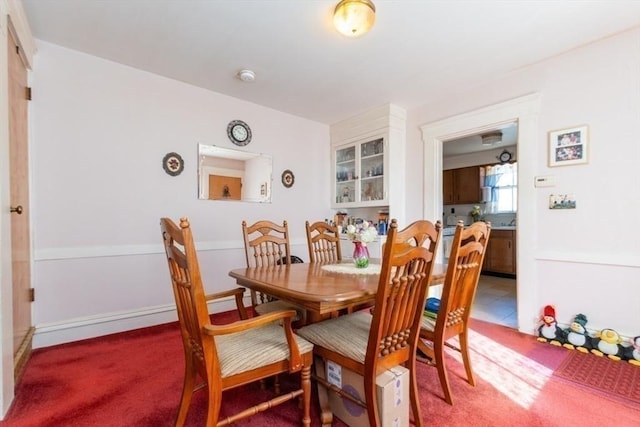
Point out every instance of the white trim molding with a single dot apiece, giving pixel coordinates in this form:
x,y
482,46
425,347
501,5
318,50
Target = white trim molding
x,y
79,252
109,323
524,111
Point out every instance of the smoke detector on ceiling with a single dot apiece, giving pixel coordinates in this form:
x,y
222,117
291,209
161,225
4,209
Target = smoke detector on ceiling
x,y
246,75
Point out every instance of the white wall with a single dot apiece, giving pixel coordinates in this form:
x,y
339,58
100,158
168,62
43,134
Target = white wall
x,y
584,260
99,133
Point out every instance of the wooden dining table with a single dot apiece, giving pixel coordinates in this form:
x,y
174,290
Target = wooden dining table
x,y
316,288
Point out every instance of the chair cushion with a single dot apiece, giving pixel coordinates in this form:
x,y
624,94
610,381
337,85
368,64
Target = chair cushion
x,y
347,335
277,305
256,347
428,323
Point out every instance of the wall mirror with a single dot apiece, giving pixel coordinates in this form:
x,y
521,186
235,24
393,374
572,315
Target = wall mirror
x,y
228,174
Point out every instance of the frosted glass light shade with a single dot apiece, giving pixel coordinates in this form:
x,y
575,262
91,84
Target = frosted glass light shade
x,y
491,138
353,18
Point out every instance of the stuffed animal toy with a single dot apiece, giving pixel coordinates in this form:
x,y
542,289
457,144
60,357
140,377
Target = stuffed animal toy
x,y
632,353
576,335
549,331
608,341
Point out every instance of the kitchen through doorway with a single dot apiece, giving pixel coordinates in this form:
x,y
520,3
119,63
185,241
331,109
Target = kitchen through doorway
x,y
496,296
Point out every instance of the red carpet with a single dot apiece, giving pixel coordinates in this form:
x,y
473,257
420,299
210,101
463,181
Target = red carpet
x,y
600,374
135,379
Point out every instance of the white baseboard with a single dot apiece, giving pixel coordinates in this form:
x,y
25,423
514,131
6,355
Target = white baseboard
x,y
71,330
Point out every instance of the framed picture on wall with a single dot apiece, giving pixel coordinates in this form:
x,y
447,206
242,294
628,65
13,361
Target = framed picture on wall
x,y
569,146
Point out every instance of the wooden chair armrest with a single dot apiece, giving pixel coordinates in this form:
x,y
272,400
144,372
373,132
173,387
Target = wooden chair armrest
x,y
238,293
225,294
295,360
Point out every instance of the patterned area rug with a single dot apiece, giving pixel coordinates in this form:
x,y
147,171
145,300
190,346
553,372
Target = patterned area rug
x,y
618,379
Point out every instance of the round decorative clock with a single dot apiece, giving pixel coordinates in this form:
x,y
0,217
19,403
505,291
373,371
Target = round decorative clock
x,y
173,164
287,178
504,157
239,132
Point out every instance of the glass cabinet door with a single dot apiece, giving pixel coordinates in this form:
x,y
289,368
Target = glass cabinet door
x,y
359,174
346,175
372,171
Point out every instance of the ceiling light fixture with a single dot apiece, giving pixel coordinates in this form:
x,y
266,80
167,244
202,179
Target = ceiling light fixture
x,y
246,75
491,138
354,18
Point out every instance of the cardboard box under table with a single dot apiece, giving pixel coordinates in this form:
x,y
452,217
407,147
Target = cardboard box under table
x,y
392,390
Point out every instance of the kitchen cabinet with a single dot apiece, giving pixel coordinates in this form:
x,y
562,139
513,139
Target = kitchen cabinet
x,y
461,186
501,252
359,177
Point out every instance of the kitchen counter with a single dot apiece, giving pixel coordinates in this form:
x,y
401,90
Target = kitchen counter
x,y
503,227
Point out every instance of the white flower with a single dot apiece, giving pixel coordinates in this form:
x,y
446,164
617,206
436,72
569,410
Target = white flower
x,y
363,232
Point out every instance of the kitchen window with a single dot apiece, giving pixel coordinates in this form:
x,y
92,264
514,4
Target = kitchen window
x,y
502,180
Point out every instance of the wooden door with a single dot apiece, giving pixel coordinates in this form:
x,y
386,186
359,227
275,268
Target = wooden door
x,y
19,187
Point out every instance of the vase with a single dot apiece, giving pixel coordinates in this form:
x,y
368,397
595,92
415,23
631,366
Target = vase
x,y
360,255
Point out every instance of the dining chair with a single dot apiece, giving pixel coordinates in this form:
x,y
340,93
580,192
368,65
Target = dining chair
x,y
231,355
267,244
458,292
369,342
323,241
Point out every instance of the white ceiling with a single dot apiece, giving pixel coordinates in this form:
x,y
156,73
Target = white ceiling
x,y
473,143
418,50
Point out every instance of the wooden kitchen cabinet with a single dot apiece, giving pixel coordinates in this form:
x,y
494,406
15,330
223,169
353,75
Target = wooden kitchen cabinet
x,y
447,187
461,186
501,252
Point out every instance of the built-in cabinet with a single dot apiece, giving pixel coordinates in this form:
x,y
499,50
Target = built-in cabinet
x,y
370,146
461,186
359,174
501,252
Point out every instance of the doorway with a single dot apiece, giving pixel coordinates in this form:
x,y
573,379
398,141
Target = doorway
x,y
496,296
524,111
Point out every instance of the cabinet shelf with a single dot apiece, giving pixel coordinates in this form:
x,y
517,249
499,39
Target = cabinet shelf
x,y
367,178
373,156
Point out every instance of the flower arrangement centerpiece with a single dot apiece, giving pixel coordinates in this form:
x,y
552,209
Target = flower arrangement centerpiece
x,y
475,213
361,234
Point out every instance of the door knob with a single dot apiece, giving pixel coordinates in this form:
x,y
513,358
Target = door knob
x,y
18,209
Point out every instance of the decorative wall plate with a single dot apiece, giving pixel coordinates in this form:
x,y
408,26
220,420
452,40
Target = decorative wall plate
x,y
173,164
287,178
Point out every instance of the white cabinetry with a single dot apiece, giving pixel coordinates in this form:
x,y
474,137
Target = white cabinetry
x,y
359,177
372,147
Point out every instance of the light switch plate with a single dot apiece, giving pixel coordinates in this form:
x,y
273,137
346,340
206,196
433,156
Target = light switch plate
x,y
545,181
